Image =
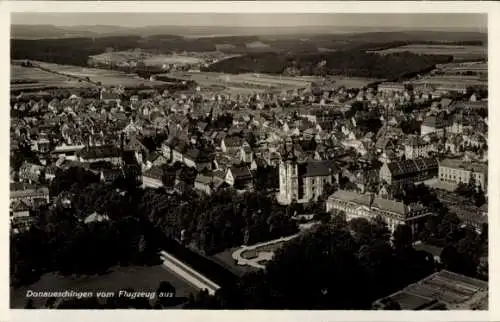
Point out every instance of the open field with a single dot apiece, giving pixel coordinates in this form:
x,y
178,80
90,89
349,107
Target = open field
x,y
158,60
105,77
458,52
248,82
144,279
28,78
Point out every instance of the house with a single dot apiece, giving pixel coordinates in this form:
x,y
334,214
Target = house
x,y
20,219
31,173
388,87
246,154
41,145
108,153
19,209
305,181
28,193
434,124
152,178
156,159
50,172
458,171
239,176
178,150
408,172
108,97
195,158
231,143
368,206
415,147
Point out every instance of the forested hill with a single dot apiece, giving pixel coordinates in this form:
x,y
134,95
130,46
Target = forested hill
x,y
353,63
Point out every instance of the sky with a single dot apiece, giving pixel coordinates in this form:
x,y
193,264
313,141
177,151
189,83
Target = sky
x,y
414,21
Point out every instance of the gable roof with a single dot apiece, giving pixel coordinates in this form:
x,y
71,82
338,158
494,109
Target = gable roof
x,y
98,152
240,172
406,167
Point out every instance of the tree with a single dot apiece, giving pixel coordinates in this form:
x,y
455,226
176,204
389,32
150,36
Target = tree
x,y
29,304
402,238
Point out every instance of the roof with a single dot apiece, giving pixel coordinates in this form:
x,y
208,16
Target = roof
x,y
154,172
20,190
415,140
99,152
233,141
316,168
351,196
20,205
393,206
203,179
240,172
109,96
406,167
455,291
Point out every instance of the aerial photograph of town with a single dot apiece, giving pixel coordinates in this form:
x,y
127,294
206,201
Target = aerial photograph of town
x,y
239,161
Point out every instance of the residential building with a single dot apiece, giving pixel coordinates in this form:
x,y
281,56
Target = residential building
x,y
198,159
415,147
107,97
406,172
152,178
458,171
388,87
434,124
231,143
239,176
109,153
30,173
28,193
369,206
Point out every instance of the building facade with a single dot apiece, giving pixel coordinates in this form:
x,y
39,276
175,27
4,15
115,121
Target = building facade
x,y
415,147
458,171
368,206
408,172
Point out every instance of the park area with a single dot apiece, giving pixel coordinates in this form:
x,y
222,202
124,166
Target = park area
x,y
458,52
141,279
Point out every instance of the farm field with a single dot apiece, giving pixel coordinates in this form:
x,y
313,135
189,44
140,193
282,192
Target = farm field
x,y
141,279
458,52
105,77
158,60
249,81
29,78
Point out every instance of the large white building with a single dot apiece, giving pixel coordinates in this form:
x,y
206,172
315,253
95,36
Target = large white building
x,y
394,213
457,171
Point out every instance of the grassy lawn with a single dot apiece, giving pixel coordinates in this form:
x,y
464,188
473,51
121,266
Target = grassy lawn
x,y
139,278
225,258
253,253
